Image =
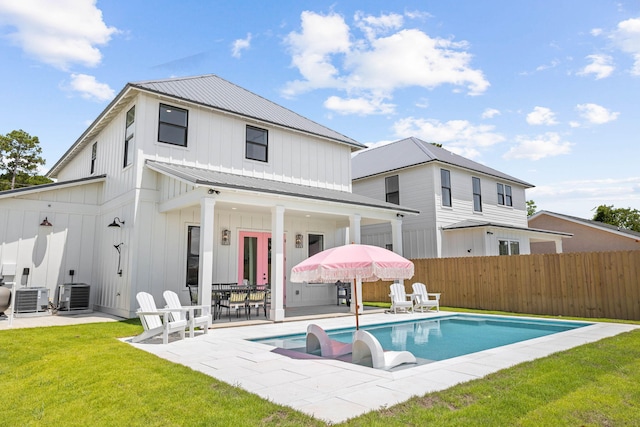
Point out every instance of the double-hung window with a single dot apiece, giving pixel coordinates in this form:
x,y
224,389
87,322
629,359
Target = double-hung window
x,y
508,247
504,195
392,189
128,137
477,195
172,126
257,144
94,156
445,182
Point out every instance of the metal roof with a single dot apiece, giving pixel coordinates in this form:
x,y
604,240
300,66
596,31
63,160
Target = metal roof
x,y
477,224
590,223
216,179
51,186
216,92
411,152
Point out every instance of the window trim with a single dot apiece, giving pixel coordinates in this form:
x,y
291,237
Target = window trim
x,y
388,194
253,143
509,245
505,195
94,157
443,187
173,125
475,179
129,132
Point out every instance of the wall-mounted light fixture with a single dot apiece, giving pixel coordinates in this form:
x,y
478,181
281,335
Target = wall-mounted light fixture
x,y
226,237
299,241
116,223
490,233
45,223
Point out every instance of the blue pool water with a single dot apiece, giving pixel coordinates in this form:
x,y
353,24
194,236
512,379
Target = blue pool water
x,y
443,337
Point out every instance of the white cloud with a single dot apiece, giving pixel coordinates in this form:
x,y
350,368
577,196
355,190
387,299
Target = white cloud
x,y
579,197
601,66
535,148
372,26
239,45
627,38
90,88
490,113
542,116
596,114
58,33
329,55
360,106
459,136
596,32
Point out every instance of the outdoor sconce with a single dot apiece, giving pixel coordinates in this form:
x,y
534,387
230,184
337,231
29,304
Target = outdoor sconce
x,y
299,240
116,223
490,233
226,237
45,223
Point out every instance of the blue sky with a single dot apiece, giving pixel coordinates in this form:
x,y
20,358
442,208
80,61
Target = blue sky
x,y
547,91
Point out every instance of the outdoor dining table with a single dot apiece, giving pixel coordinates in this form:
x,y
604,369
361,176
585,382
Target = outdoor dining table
x,y
221,297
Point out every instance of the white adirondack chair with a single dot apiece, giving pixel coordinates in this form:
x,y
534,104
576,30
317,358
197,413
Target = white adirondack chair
x,y
367,351
317,339
424,299
399,299
180,313
156,321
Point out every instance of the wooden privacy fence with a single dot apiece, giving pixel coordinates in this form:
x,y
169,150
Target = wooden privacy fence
x,y
589,284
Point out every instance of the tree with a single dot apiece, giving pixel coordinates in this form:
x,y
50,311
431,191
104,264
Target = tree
x,y
20,157
531,207
621,217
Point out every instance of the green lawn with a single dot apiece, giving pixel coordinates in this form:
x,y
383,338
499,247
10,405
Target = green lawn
x,y
84,376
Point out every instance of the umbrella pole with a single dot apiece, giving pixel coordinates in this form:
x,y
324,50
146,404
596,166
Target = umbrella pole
x,y
355,294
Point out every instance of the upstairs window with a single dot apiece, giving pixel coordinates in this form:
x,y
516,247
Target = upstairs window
x,y
94,155
172,127
392,189
257,144
508,247
445,182
128,137
504,195
477,195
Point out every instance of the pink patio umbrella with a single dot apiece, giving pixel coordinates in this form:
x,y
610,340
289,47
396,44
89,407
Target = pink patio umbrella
x,y
353,262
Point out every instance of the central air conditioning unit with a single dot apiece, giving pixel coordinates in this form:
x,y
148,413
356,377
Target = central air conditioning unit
x,y
74,298
33,301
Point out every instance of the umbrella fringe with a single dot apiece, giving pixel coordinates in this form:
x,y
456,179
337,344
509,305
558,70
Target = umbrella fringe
x,y
367,274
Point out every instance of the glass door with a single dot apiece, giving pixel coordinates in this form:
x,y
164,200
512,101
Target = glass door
x,y
254,263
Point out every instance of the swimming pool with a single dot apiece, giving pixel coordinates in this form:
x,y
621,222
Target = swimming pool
x,y
443,337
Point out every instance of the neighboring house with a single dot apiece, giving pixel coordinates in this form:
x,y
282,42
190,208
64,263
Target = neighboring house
x,y
189,180
466,208
588,235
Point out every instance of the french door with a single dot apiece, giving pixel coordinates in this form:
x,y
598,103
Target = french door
x,y
254,257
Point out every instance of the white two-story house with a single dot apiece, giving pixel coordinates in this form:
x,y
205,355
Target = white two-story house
x,y
190,181
466,208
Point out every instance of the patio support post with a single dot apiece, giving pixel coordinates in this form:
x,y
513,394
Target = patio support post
x,y
276,312
354,228
396,235
559,246
205,268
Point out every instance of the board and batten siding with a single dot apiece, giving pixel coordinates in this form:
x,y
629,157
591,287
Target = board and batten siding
x,y
50,252
216,141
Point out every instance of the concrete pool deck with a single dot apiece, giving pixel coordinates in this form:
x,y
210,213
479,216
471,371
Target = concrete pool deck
x,y
335,391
